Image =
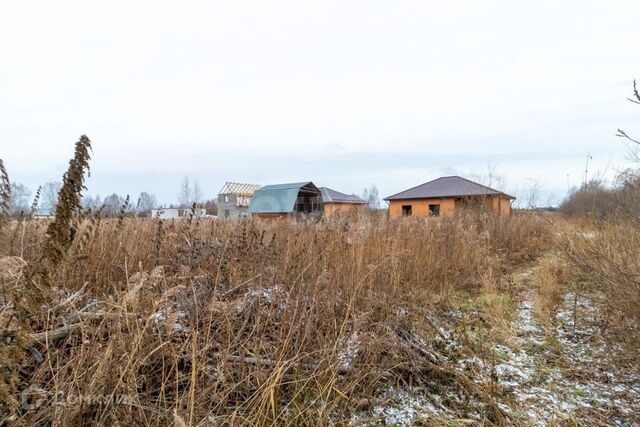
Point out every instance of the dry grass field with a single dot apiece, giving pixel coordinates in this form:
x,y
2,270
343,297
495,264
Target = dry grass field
x,y
360,320
349,321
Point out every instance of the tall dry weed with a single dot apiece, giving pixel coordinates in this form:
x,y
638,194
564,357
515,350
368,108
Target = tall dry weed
x,y
60,232
35,203
5,197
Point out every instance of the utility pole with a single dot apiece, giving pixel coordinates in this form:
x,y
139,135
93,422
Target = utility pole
x,y
586,170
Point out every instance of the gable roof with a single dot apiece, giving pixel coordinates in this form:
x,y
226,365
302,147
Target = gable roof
x,y
278,198
447,186
333,196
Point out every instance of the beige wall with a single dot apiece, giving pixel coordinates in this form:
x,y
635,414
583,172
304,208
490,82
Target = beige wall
x,y
420,207
330,208
500,205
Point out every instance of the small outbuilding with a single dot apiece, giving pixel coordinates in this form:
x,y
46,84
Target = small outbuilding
x,y
44,213
335,201
234,199
168,213
447,195
282,200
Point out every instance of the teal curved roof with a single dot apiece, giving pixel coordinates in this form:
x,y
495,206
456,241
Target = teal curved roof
x,y
278,198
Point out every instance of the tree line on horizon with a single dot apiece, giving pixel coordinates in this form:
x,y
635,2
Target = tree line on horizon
x,y
46,196
189,194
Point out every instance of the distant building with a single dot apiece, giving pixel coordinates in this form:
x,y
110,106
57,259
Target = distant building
x,y
234,199
167,213
447,195
44,213
335,201
286,200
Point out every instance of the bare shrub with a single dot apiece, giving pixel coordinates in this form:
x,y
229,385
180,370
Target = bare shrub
x,y
607,265
593,199
627,195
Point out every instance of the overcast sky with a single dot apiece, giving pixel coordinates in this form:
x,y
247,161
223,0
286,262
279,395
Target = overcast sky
x,y
343,93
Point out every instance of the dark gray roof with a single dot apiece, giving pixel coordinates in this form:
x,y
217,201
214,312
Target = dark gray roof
x,y
333,196
447,186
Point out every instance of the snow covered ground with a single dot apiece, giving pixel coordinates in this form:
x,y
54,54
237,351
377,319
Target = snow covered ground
x,y
547,375
565,372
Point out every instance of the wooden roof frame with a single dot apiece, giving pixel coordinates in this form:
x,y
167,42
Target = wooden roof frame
x,y
239,188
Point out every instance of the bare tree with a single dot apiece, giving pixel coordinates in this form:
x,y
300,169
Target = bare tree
x,y
197,193
372,196
146,202
489,177
49,194
628,194
635,98
20,195
533,193
185,195
622,199
112,204
89,202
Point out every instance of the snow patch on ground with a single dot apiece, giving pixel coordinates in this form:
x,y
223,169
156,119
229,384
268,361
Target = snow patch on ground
x,y
550,374
398,407
268,294
164,319
348,351
563,372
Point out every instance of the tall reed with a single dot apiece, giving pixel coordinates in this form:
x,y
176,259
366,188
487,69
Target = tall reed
x,y
60,232
5,197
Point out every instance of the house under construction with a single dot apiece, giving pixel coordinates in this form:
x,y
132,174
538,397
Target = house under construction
x,y
300,199
234,199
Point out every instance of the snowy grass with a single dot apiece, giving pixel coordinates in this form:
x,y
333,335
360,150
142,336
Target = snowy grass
x,y
546,373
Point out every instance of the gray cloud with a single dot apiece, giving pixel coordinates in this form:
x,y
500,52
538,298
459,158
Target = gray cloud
x,y
344,93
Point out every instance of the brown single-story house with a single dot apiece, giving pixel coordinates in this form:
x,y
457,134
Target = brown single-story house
x,y
445,196
334,201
